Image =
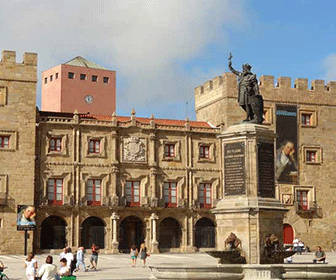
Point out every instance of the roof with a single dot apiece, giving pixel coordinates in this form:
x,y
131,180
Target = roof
x,y
124,119
82,62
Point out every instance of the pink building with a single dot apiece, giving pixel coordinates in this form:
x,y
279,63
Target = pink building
x,y
79,85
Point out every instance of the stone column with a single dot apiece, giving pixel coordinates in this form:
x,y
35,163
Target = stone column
x,y
155,243
115,243
249,208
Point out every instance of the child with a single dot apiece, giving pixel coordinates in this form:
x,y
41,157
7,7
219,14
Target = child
x,y
134,254
64,269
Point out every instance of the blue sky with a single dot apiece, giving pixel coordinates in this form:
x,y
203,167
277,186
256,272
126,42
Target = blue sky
x,y
162,49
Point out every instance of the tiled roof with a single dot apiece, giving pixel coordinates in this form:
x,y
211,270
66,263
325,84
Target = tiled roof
x,y
147,121
82,62
123,119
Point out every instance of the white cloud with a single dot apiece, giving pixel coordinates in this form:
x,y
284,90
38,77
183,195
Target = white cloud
x,y
330,67
146,41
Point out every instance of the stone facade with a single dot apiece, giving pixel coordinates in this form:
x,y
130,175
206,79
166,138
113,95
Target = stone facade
x,y
214,102
17,124
131,149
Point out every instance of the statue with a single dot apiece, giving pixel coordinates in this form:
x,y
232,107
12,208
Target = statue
x,y
249,97
232,241
274,251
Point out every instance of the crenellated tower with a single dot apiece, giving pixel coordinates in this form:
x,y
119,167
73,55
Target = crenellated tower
x,y
216,99
17,147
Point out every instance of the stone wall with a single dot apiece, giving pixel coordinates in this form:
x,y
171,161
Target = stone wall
x,y
17,168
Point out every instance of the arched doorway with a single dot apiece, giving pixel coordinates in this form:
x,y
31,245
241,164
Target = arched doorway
x,y
131,232
170,234
53,233
205,234
93,231
288,234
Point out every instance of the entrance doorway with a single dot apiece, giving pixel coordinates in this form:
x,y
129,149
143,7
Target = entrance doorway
x,y
288,234
131,232
53,233
170,234
93,231
205,234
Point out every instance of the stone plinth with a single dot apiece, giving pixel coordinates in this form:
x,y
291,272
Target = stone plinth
x,y
249,208
245,272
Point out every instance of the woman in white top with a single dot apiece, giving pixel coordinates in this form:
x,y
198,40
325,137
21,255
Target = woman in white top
x,y
31,267
48,271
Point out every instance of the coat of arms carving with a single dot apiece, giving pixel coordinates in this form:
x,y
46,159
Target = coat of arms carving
x,y
134,149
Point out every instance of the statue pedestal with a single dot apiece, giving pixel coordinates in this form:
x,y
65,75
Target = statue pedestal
x,y
249,208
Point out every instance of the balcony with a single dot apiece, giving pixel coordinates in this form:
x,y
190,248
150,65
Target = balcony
x,y
311,210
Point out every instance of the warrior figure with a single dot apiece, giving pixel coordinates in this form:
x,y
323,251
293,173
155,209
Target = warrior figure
x,y
249,97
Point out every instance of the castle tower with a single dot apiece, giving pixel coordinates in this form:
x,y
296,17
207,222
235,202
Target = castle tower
x,y
79,85
17,145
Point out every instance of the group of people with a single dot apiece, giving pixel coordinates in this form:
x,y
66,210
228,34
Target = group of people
x,y
69,263
134,252
299,246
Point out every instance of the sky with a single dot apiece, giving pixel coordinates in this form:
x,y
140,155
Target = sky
x,y
163,49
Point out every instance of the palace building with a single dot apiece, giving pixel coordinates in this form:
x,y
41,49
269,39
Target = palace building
x,y
95,177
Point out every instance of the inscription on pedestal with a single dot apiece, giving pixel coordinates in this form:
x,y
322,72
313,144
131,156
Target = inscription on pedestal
x,y
266,187
234,168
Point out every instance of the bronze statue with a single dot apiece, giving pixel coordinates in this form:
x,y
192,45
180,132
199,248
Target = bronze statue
x,y
274,251
232,241
249,97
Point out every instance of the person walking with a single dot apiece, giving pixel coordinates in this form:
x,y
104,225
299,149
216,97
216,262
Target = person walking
x,y
48,270
143,253
69,257
134,255
31,266
94,256
80,259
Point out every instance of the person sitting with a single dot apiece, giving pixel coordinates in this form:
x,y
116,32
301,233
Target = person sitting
x,y
64,269
320,255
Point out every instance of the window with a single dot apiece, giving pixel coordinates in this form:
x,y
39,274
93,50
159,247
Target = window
x,y
204,195
132,192
94,146
4,141
56,76
93,193
170,194
302,199
306,119
106,79
71,75
311,156
51,78
204,151
94,78
82,76
55,191
169,150
45,80
55,144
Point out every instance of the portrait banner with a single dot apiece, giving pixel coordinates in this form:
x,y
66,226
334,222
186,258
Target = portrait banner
x,y
286,161
26,217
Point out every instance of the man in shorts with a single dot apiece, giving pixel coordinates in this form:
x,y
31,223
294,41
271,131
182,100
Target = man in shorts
x,y
94,256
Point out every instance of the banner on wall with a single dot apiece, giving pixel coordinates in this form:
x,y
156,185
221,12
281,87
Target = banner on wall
x,y
26,217
286,160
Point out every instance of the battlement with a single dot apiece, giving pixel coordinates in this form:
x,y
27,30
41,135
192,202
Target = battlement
x,y
26,71
284,90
